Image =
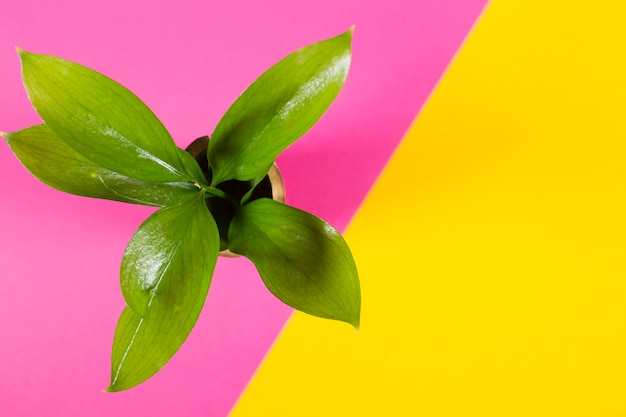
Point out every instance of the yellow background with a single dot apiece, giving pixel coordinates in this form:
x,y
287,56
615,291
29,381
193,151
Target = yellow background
x,y
492,248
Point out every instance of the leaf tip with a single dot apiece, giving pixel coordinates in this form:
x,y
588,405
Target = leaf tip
x,y
356,324
20,51
23,55
6,136
348,33
352,319
112,388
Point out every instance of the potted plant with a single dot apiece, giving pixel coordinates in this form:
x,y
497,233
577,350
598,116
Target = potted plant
x,y
100,140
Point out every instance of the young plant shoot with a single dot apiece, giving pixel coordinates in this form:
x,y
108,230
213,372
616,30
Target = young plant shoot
x,y
99,140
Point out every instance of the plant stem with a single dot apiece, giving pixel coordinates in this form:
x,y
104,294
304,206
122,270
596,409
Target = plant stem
x,y
216,192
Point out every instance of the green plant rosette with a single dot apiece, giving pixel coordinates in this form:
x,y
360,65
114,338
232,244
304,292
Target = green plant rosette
x,y
99,140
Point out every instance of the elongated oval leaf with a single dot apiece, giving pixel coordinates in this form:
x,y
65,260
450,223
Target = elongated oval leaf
x,y
278,108
166,273
302,260
58,165
101,119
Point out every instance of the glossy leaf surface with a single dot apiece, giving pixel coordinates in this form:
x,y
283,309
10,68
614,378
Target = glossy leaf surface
x,y
102,120
278,108
302,259
58,165
165,276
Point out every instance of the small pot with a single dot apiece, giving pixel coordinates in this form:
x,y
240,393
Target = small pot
x,y
272,186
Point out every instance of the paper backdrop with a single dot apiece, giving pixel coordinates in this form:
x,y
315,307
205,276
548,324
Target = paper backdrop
x,y
492,248
188,60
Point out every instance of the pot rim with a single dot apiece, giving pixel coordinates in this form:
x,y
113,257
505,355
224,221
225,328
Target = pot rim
x,y
276,180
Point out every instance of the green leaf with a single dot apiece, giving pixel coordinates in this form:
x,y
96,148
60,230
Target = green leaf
x,y
56,164
101,120
192,166
165,276
303,260
278,108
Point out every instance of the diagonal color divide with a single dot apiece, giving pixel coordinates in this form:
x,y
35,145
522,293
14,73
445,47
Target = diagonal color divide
x,y
492,247
59,263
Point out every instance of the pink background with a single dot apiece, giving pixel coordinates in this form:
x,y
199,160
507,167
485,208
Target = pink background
x,y
188,60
